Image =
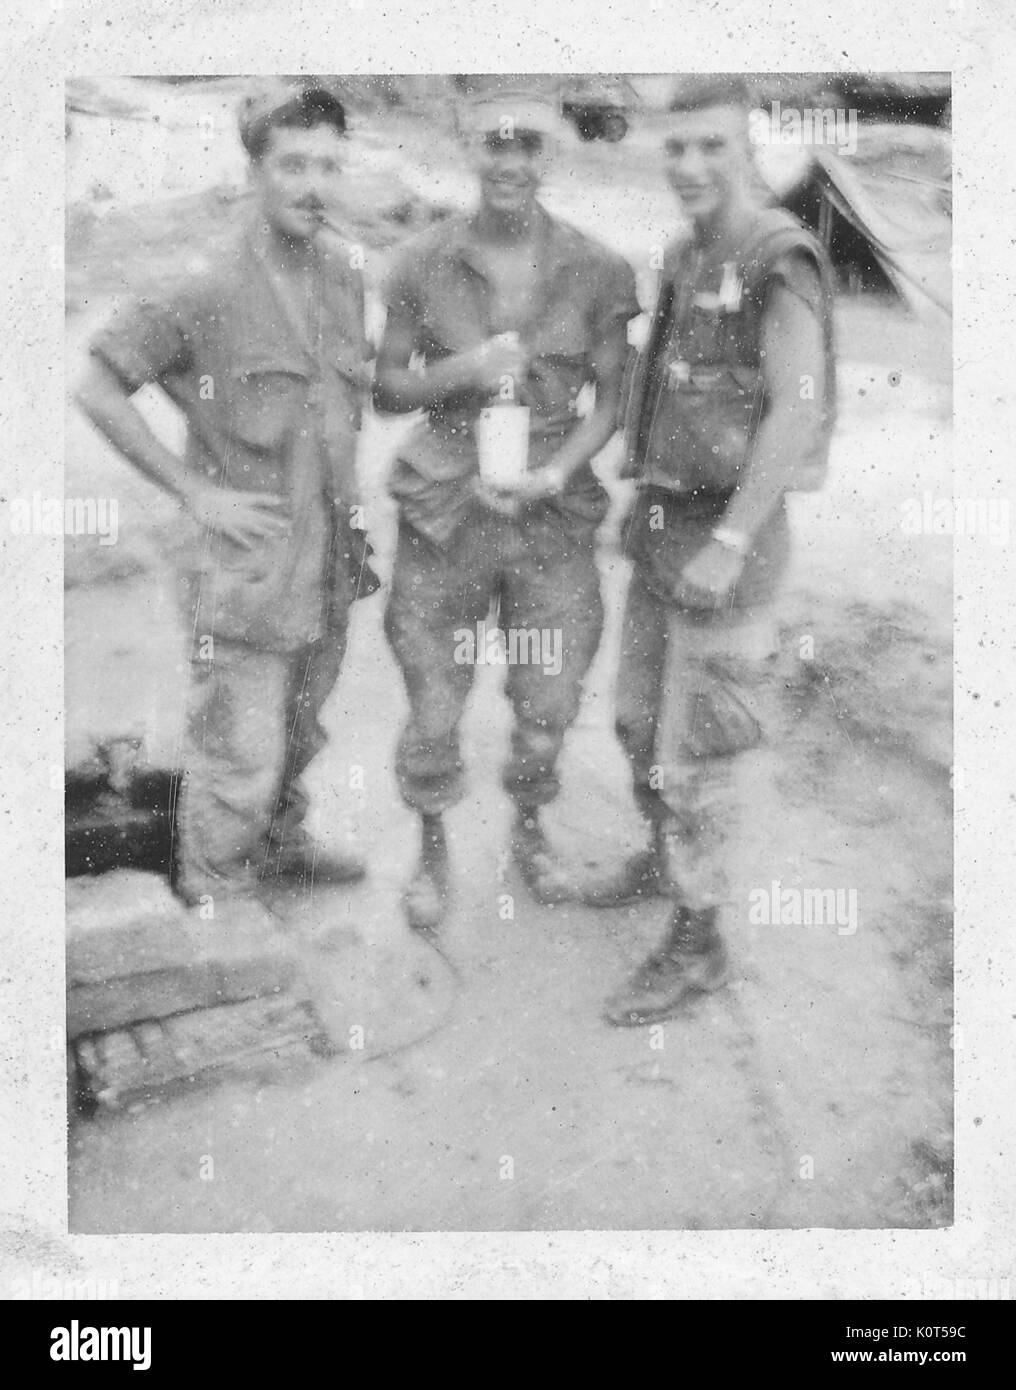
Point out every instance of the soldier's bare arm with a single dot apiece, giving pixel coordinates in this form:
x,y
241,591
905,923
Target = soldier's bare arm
x,y
793,368
609,356
400,387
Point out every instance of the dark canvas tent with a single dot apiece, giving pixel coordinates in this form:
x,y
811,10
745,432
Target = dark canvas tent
x,y
887,216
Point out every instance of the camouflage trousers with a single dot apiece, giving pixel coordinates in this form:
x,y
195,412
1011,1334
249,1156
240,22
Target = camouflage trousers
x,y
535,577
692,703
253,728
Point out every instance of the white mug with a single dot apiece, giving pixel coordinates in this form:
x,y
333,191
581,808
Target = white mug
x,y
502,443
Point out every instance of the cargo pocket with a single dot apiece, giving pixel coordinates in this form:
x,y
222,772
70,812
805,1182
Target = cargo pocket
x,y
719,722
265,405
242,592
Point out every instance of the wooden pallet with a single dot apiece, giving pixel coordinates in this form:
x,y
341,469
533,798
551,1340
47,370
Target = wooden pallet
x,y
129,1066
157,996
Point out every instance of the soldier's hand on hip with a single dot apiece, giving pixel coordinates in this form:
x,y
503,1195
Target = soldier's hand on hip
x,y
708,577
242,517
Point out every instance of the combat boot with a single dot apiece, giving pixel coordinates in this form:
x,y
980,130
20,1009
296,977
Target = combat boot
x,y
692,960
541,870
642,876
298,856
425,899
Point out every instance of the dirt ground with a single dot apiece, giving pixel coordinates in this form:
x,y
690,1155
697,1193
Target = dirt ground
x,y
815,1091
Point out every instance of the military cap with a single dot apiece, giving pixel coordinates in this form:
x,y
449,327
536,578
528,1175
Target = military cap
x,y
272,98
523,107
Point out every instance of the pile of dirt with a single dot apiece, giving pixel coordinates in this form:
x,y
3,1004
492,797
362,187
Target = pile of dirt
x,y
887,683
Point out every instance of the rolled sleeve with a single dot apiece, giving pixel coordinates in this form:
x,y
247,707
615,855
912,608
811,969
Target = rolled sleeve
x,y
145,341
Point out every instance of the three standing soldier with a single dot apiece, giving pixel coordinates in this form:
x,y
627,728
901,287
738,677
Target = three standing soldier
x,y
731,408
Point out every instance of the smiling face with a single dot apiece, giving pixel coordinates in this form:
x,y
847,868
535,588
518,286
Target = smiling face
x,y
706,159
298,178
510,169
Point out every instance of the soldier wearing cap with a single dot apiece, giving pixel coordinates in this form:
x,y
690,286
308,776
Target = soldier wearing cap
x,y
264,352
731,408
504,302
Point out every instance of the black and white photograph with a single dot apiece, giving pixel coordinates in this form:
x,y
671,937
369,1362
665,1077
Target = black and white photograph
x,y
508,786
508,665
